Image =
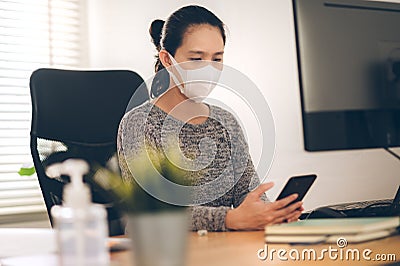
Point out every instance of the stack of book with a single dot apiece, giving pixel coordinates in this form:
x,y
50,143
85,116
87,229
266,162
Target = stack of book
x,y
353,230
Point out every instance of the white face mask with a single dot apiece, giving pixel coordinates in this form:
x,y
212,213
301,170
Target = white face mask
x,y
197,83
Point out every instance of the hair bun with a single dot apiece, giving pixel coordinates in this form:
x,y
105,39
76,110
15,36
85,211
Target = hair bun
x,y
156,31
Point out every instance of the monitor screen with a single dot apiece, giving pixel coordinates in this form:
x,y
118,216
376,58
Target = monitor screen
x,y
349,71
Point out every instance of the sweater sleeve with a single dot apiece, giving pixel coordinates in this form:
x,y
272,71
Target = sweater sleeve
x,y
246,176
130,140
208,218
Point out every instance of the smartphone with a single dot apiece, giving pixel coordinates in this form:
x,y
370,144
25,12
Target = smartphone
x,y
297,184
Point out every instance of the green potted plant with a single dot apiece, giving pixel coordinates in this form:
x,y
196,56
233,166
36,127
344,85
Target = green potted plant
x,y
158,229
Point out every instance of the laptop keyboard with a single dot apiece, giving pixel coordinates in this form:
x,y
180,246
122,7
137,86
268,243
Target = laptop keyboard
x,y
362,204
370,208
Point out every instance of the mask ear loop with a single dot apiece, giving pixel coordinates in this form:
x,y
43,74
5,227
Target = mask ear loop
x,y
174,77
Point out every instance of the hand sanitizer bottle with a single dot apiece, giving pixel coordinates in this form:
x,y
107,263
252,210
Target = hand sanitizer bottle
x,y
81,226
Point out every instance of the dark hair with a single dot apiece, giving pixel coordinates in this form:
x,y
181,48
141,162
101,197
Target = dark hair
x,y
169,35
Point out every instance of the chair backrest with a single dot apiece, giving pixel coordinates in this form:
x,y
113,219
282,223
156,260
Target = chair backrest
x,y
76,114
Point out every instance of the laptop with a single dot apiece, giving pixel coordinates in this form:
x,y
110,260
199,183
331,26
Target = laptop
x,y
370,208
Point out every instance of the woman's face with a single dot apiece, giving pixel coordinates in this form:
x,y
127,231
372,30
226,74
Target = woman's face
x,y
201,42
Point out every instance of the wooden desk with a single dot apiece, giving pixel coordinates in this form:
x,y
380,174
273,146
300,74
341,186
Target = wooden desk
x,y
240,248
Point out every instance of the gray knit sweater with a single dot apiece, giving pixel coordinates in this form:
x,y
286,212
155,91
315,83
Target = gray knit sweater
x,y
216,146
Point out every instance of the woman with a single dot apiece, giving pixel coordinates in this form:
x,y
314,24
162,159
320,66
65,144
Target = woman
x,y
191,34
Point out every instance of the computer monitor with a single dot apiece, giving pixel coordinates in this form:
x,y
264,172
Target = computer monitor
x,y
349,71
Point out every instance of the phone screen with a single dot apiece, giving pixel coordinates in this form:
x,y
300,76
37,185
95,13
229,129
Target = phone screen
x,y
297,184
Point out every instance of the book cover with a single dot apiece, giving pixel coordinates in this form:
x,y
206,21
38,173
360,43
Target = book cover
x,y
314,239
333,226
362,237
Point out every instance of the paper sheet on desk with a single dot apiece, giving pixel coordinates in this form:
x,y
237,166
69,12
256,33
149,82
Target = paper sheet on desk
x,y
26,241
42,260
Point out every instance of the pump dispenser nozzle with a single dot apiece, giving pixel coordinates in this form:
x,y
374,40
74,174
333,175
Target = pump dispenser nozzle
x,y
76,193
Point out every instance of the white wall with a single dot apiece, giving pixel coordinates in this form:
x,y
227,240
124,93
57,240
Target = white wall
x,y
260,44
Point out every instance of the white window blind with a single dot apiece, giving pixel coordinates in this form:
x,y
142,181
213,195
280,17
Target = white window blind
x,y
33,34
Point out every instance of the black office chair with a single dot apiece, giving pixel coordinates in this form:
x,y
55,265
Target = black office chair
x,y
76,114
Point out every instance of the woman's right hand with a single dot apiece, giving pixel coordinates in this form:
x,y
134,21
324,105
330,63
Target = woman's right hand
x,y
255,214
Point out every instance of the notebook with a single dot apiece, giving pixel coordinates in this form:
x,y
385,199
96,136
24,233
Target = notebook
x,y
313,239
334,226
